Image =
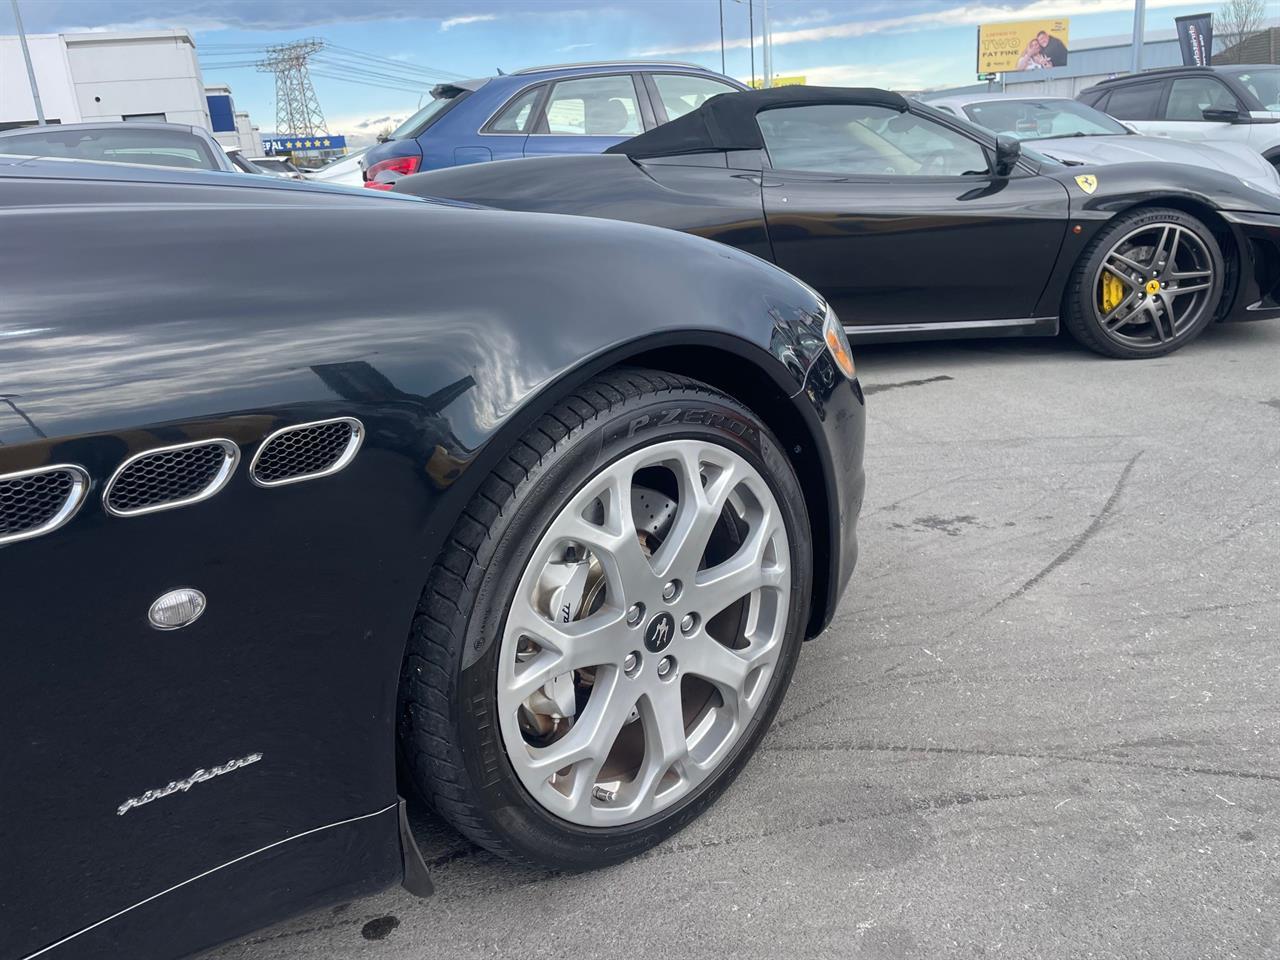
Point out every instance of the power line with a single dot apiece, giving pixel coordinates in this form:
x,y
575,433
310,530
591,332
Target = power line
x,y
364,83
402,65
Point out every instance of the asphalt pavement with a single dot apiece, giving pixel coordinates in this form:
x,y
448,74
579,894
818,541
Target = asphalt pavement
x,y
1044,723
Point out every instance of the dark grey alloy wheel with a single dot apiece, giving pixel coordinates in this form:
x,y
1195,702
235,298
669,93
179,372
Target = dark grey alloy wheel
x,y
1150,283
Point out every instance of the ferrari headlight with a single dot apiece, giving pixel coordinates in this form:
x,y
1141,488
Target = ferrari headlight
x,y
837,343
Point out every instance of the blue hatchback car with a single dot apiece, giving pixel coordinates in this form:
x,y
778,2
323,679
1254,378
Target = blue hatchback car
x,y
569,108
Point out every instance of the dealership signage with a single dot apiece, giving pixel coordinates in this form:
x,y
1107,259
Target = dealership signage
x,y
1023,45
1195,37
290,143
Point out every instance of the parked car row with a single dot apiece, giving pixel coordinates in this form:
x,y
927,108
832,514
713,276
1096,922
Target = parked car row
x,y
914,223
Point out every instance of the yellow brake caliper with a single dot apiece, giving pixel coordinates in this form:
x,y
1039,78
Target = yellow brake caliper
x,y
1112,292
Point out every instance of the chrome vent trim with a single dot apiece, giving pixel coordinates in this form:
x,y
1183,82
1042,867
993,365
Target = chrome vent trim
x,y
123,473
274,442
77,481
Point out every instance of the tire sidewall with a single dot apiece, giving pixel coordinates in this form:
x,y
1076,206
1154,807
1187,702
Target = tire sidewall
x,y
1085,287
498,793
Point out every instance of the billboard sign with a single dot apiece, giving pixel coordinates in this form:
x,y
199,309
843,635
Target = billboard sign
x,y
1023,45
290,143
1195,37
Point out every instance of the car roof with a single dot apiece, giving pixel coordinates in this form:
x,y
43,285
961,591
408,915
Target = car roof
x,y
727,120
633,64
1156,73
103,125
15,167
528,75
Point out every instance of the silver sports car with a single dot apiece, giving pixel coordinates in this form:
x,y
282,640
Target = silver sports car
x,y
1072,132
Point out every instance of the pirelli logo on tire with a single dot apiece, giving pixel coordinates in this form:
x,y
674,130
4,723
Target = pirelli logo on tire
x,y
719,419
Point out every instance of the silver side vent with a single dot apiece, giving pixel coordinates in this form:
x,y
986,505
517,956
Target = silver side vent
x,y
306,451
169,477
39,501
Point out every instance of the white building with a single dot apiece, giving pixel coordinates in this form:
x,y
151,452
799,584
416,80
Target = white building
x,y
142,75
231,127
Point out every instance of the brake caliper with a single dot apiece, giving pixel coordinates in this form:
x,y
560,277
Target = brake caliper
x,y
1112,292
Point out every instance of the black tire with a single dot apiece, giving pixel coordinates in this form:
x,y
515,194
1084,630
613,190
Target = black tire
x,y
1081,313
448,720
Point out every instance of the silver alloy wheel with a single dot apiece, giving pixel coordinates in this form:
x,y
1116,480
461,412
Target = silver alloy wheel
x,y
1165,278
643,633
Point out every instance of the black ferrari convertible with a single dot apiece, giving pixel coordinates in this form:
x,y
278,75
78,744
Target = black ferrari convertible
x,y
551,533
917,224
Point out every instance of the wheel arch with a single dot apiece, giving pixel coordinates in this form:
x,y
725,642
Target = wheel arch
x,y
755,388
740,368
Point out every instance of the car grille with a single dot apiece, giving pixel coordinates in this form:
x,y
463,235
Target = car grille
x,y
307,451
35,502
171,477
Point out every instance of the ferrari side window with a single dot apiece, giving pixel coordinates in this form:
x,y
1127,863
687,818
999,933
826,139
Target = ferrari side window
x,y
866,141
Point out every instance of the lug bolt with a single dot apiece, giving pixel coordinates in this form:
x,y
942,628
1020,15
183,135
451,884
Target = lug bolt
x,y
635,613
665,666
688,623
671,591
631,664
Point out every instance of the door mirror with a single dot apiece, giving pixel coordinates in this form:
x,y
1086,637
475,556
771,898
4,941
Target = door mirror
x,y
1222,114
1008,150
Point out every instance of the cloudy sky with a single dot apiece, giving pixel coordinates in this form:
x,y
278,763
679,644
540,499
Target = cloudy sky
x,y
902,43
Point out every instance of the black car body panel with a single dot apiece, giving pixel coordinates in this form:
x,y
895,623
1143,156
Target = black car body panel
x,y
900,257
141,312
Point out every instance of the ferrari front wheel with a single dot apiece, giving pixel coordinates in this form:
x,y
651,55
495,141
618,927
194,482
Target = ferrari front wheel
x,y
612,625
1148,284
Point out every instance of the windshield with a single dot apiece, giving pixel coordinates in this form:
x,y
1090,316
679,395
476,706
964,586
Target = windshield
x,y
1043,119
413,126
1263,84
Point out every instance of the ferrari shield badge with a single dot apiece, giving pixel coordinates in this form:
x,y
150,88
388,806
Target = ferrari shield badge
x,y
1087,182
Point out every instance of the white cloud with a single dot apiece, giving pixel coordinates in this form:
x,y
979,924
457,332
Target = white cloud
x,y
917,74
363,128
817,16
574,46
452,22
969,14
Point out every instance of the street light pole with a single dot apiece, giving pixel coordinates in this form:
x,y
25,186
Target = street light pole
x,y
31,71
767,39
1139,34
722,36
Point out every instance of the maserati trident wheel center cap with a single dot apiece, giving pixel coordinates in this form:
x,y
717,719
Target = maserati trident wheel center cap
x,y
659,632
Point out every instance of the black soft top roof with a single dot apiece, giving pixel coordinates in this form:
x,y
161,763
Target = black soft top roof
x,y
727,121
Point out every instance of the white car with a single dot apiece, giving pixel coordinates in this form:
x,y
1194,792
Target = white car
x,y
1071,132
1239,103
345,171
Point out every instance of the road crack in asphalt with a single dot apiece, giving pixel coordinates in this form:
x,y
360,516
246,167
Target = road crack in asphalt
x,y
881,747
913,804
1075,545
881,387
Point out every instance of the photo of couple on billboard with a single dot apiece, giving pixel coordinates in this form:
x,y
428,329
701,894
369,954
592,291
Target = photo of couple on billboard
x,y
1042,51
